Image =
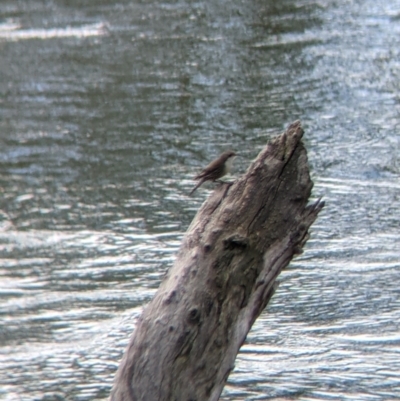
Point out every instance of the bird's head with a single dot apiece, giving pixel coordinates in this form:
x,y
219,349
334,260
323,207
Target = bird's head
x,y
228,158
229,154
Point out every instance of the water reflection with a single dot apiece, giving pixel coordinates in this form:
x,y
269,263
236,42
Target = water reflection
x,y
12,31
107,112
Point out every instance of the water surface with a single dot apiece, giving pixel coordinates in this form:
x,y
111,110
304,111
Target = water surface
x,y
106,113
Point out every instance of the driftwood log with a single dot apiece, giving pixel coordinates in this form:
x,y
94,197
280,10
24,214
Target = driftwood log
x,y
187,339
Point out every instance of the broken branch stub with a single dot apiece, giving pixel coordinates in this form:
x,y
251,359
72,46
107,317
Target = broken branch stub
x,y
187,338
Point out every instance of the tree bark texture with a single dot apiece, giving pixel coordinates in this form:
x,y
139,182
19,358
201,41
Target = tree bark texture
x,y
187,338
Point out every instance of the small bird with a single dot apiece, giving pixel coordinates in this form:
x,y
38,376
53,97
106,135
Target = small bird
x,y
216,169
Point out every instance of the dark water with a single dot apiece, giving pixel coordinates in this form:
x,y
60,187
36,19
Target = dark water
x,y
107,110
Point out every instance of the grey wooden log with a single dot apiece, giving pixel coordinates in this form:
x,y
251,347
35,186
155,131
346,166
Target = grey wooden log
x,y
187,338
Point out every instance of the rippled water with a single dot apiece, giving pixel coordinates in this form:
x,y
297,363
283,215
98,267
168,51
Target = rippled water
x,y
108,109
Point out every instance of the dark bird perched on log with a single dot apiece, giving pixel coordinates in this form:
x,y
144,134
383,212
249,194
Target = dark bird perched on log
x,y
216,169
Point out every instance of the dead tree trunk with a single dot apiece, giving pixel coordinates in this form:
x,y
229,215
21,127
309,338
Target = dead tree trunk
x,y
187,339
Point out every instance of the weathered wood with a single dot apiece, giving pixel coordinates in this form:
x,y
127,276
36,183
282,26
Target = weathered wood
x,y
187,338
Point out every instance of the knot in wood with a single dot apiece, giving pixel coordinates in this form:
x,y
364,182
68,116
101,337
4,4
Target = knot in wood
x,y
194,316
170,298
236,241
207,248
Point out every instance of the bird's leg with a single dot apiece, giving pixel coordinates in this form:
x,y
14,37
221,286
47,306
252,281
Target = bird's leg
x,y
221,182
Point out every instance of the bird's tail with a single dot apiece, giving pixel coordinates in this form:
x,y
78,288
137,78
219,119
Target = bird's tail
x,y
197,185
